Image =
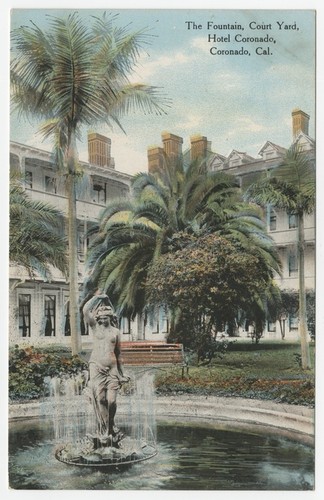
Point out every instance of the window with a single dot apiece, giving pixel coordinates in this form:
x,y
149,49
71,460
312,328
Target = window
x,y
164,322
293,265
49,312
81,243
292,221
99,192
272,221
271,326
50,184
153,320
293,322
67,325
126,326
84,328
29,179
24,314
159,321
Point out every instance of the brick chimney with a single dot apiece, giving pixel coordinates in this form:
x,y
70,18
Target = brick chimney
x,y
300,122
199,147
99,150
155,157
172,144
172,148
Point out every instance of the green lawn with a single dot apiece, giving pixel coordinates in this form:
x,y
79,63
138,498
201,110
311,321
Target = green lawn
x,y
269,370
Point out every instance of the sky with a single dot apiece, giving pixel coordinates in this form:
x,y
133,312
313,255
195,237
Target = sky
x,y
236,101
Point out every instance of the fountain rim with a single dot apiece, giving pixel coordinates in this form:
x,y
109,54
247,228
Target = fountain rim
x,y
291,421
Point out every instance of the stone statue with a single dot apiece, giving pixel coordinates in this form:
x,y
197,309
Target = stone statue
x,y
106,374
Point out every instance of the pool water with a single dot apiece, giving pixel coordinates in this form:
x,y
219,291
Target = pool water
x,y
190,457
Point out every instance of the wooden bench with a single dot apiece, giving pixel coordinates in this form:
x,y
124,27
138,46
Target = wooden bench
x,y
151,353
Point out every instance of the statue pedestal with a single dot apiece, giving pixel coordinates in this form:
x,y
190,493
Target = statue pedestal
x,y
93,453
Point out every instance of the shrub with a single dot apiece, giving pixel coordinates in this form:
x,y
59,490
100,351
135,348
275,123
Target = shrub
x,y
29,366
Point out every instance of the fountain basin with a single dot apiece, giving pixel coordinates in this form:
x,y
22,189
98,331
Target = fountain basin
x,y
201,443
191,456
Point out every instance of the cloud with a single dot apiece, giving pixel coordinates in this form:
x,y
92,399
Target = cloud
x,y
247,125
190,122
228,81
149,66
199,43
291,69
36,141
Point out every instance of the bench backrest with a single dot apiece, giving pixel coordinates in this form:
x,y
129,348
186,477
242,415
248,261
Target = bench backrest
x,y
151,353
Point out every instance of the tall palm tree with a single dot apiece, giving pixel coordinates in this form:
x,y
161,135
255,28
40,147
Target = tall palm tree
x,y
131,236
35,236
291,187
75,75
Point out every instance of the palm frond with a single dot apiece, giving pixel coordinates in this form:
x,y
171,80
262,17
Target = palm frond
x,y
78,74
130,238
290,186
35,234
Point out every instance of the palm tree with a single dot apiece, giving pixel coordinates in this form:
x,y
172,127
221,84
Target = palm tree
x,y
71,76
179,198
35,236
291,187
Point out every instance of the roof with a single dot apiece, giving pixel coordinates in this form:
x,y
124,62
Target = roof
x,y
242,155
305,136
280,149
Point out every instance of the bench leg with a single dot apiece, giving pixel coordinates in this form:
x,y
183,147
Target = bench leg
x,y
184,367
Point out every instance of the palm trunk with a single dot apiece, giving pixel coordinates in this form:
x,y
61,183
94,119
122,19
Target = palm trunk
x,y
158,244
305,355
73,250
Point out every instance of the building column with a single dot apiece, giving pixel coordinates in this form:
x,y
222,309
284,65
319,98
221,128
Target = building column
x,y
22,167
38,313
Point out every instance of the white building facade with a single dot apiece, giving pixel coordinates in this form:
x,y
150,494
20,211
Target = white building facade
x,y
281,226
39,310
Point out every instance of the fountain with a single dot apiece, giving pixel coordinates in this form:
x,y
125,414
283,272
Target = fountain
x,y
192,453
185,453
76,428
104,444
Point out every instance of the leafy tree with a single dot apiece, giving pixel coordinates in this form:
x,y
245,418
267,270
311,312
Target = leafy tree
x,y
290,307
207,282
70,76
35,237
291,186
264,308
179,197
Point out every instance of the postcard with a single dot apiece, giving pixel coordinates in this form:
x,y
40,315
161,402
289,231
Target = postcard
x,y
162,249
